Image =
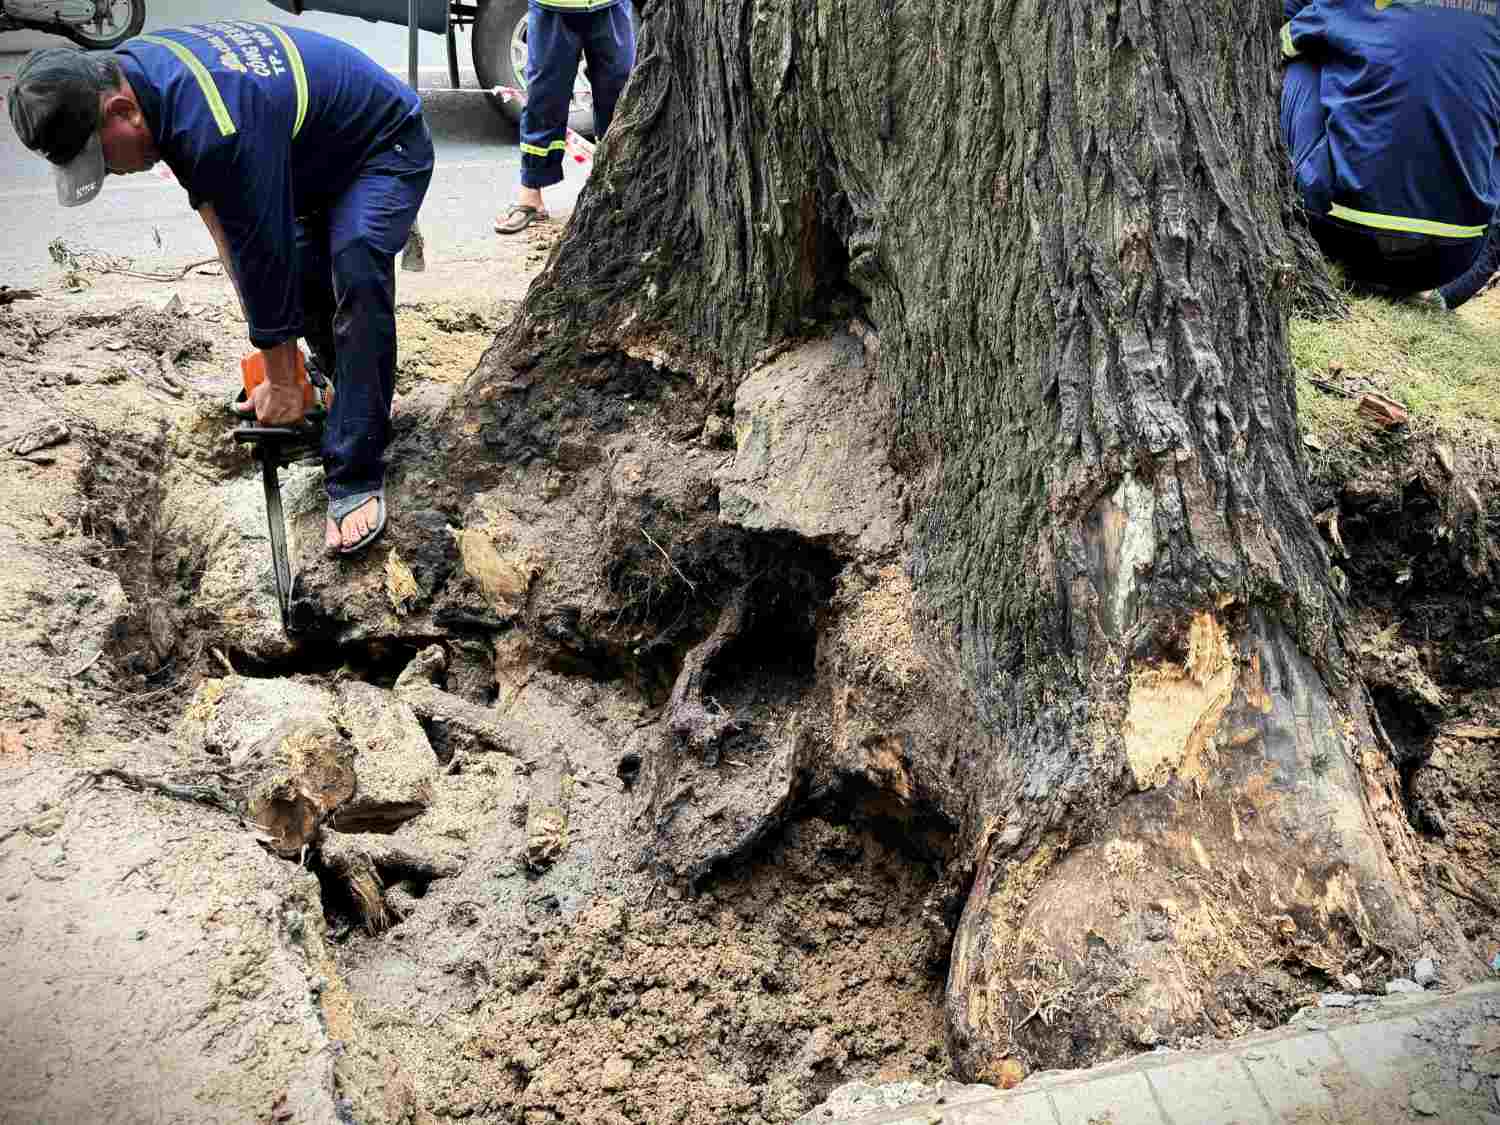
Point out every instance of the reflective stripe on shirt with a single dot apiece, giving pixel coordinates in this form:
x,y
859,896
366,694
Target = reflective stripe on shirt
x,y
205,81
211,90
299,73
1401,223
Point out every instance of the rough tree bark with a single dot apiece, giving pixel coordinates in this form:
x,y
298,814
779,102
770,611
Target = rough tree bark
x,y
1064,230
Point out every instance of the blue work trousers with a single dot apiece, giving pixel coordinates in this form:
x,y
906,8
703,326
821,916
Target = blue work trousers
x,y
348,259
1395,261
553,40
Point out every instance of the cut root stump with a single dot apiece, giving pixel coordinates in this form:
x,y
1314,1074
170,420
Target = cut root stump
x,y
367,862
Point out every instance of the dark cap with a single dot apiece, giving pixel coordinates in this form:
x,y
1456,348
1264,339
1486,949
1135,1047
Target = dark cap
x,y
54,102
54,107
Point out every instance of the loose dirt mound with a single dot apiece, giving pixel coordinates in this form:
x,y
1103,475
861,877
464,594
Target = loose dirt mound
x,y
803,966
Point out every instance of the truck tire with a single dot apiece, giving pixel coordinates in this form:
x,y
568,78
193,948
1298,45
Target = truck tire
x,y
499,45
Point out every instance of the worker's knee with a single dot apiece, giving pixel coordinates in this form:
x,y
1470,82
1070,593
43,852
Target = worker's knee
x,y
608,81
364,277
547,99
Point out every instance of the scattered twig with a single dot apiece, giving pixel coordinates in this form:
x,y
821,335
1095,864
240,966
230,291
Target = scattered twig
x,y
197,794
86,665
137,698
169,374
668,557
224,660
1332,388
84,258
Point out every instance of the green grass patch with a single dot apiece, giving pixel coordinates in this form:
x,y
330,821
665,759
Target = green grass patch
x,y
1443,367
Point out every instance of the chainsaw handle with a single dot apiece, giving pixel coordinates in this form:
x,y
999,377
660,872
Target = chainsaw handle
x,y
309,429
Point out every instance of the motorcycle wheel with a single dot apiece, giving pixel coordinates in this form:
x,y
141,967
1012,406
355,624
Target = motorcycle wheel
x,y
121,20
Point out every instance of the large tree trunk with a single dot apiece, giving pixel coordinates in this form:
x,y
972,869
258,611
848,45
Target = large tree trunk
x,y
1062,229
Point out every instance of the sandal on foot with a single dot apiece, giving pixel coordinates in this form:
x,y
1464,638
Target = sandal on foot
x,y
519,217
340,510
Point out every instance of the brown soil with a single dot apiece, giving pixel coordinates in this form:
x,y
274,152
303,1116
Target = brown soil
x,y
802,968
556,977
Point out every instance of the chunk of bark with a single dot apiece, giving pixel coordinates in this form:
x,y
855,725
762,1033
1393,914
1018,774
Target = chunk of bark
x,y
1384,412
49,433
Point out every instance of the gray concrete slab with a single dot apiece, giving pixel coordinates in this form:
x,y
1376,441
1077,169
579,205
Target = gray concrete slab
x,y
1430,1057
1034,1110
1375,1052
1208,1091
1289,1075
1119,1099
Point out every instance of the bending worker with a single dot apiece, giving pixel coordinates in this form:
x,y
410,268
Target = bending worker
x,y
1391,110
307,162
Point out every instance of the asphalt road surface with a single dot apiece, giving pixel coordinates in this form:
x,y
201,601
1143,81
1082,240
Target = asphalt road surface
x,y
477,163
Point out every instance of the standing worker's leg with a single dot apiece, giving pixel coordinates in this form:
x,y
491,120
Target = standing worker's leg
x,y
551,66
318,301
368,226
609,46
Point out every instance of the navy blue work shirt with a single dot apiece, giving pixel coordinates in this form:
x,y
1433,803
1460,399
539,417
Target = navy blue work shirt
x,y
1411,89
266,123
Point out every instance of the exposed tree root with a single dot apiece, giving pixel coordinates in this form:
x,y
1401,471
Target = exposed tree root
x,y
1451,883
365,861
180,791
688,716
454,724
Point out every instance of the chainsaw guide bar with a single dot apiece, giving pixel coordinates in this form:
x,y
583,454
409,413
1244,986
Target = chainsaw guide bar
x,y
274,447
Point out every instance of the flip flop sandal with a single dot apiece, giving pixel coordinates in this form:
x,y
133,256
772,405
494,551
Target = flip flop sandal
x,y
519,217
340,510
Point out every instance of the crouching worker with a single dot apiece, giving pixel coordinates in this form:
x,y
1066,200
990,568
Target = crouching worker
x,y
307,162
1391,111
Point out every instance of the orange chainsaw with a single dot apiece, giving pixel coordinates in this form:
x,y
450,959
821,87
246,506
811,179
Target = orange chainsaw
x,y
276,446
